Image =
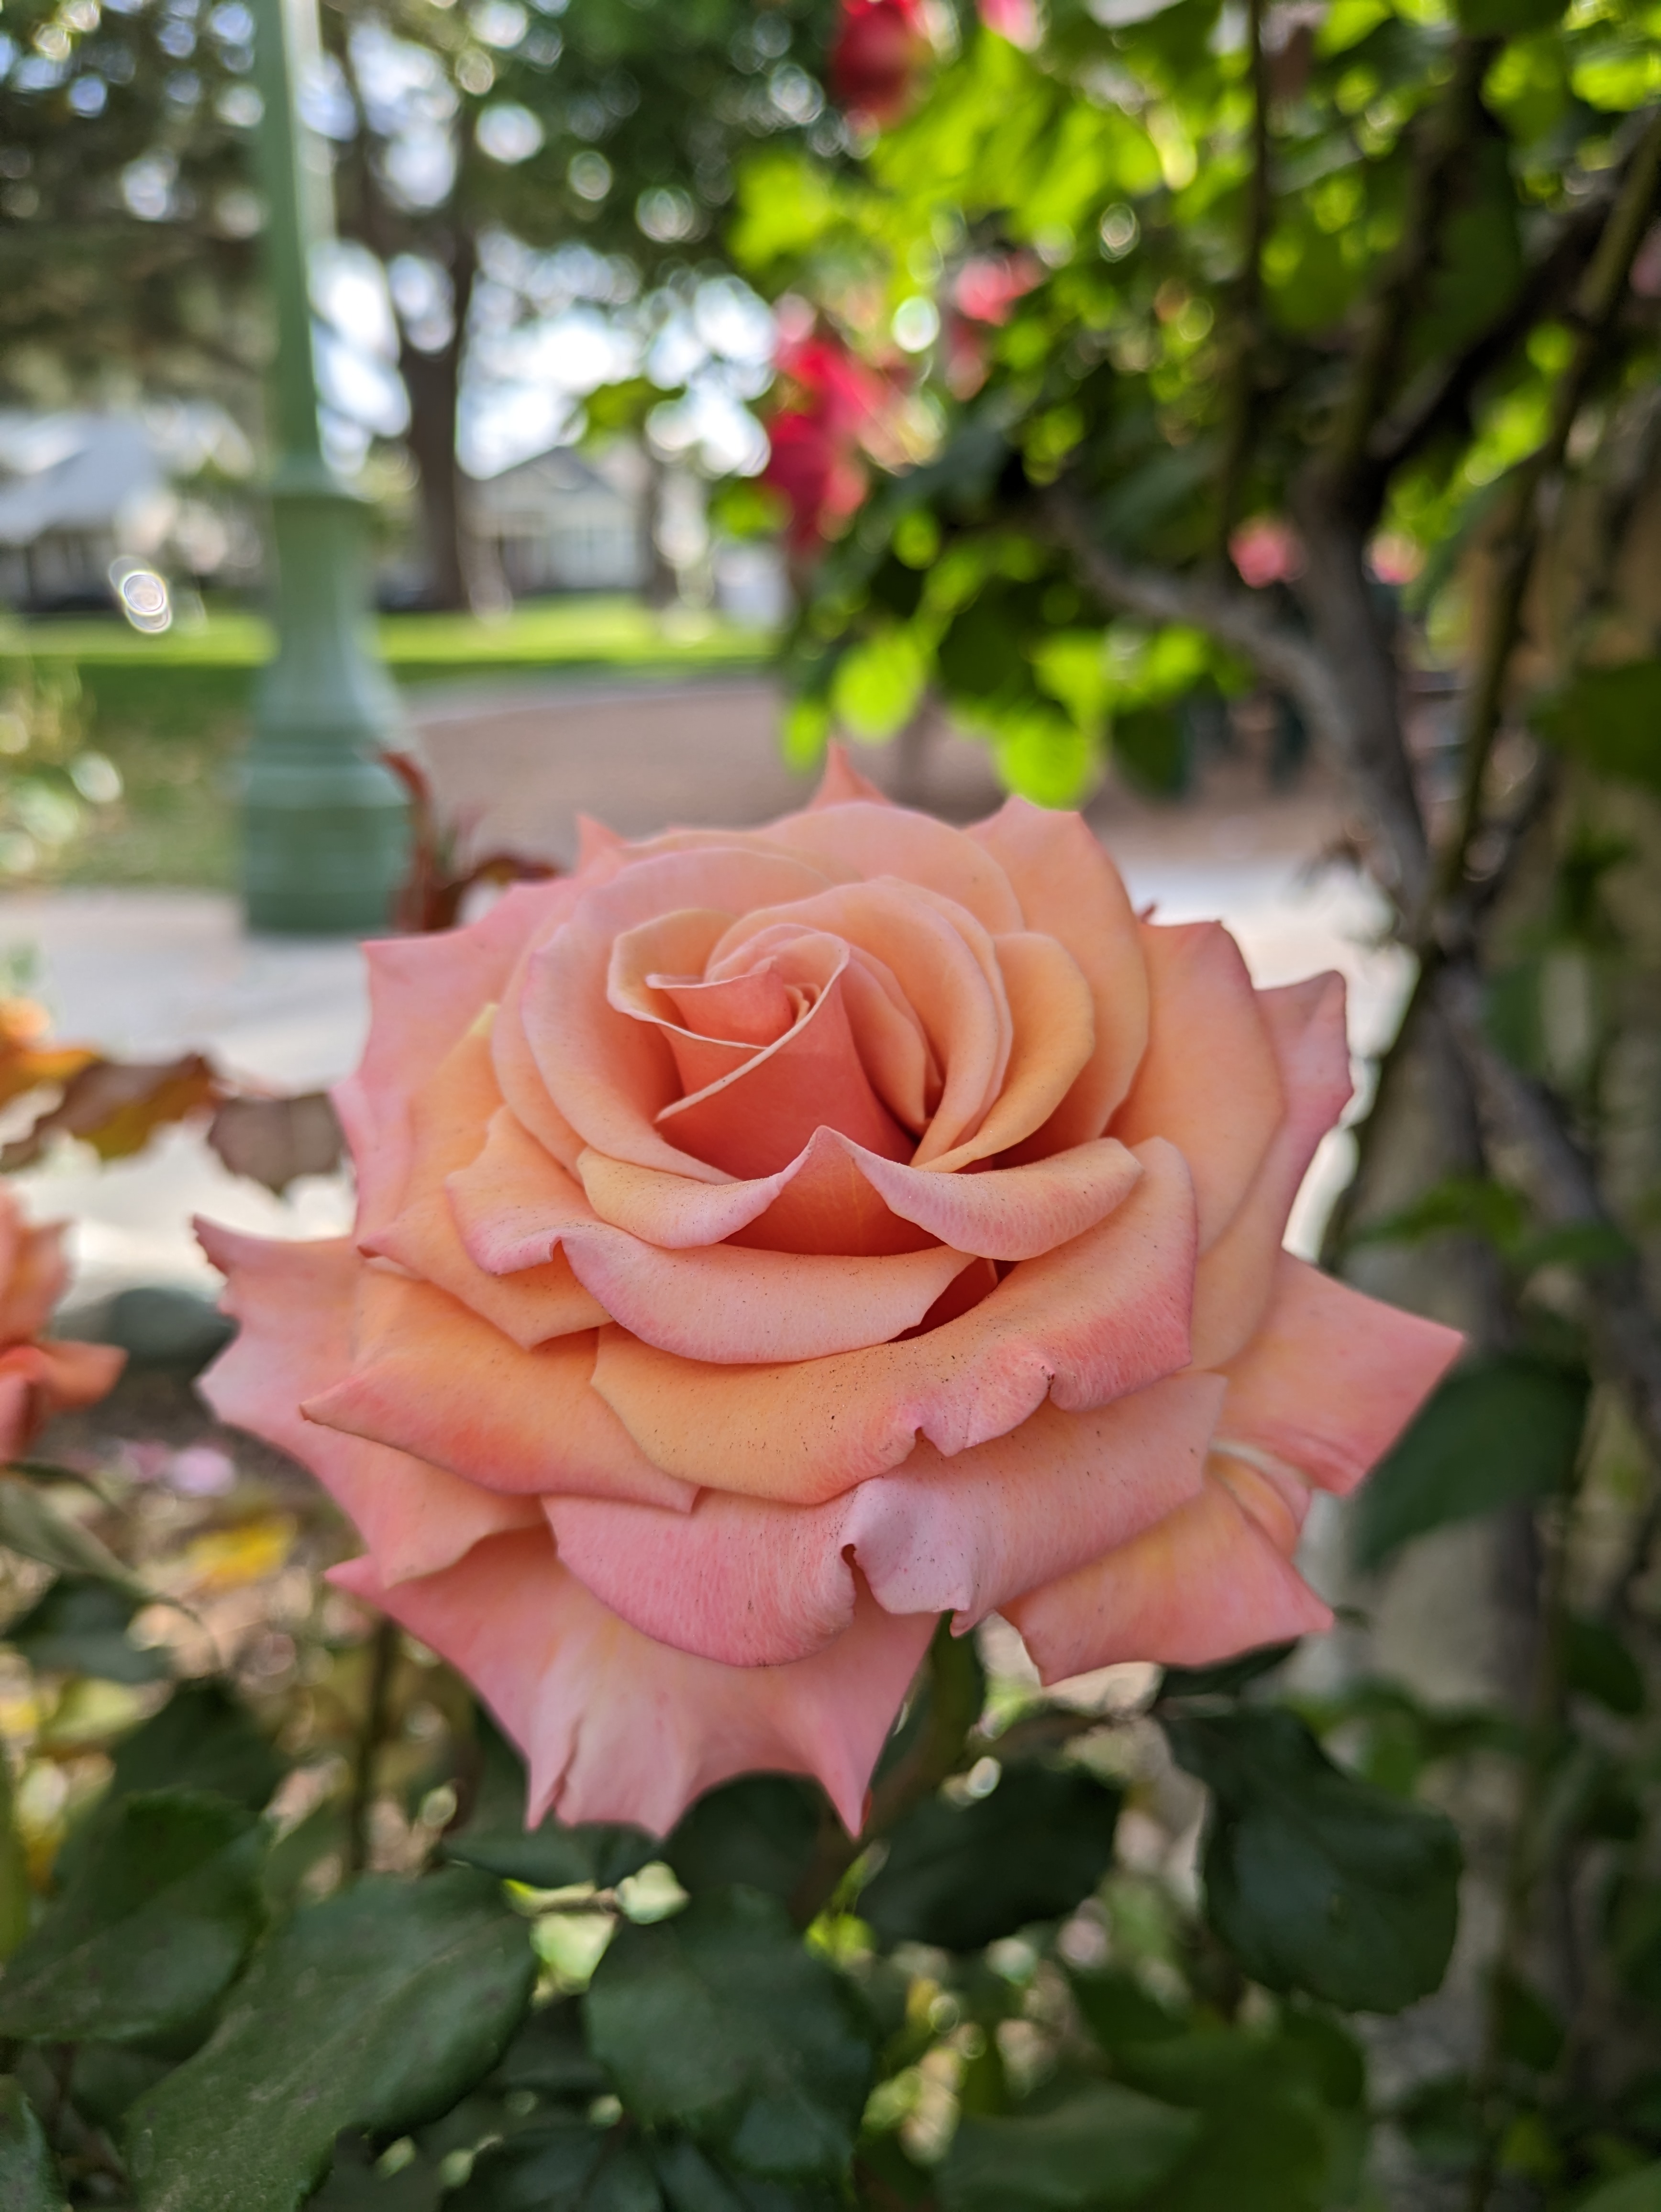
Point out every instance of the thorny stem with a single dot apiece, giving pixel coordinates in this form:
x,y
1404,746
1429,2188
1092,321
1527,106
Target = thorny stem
x,y
383,1659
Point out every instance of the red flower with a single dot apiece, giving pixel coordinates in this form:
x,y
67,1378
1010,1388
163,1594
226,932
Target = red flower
x,y
880,48
987,287
833,402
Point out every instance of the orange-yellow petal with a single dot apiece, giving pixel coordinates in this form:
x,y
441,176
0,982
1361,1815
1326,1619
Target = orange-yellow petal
x,y
1209,1079
1069,890
429,1378
1097,1318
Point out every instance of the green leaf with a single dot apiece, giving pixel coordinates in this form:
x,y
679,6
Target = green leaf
x,y
28,2173
1227,1679
159,1916
554,1857
563,2166
1266,2145
763,1831
1103,2145
1507,19
1315,1880
31,1524
377,2009
204,1738
1610,719
15,1897
1598,1664
1497,1432
80,1627
692,2182
1633,2192
961,1876
723,2020
1118,2011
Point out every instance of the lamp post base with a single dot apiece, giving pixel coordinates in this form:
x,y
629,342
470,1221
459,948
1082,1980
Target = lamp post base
x,y
324,822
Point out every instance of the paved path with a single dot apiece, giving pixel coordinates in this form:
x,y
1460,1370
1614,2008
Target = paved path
x,y
149,974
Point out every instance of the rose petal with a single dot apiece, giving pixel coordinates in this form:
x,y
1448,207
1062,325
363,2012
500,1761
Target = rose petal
x,y
1053,1025
38,1381
35,1271
754,1118
843,781
1003,1214
294,1302
429,1378
608,1076
1306,1023
424,992
719,1303
1331,1378
878,839
947,968
450,1119
1069,890
752,1583
616,1727
1209,1080
1099,1316
1204,1583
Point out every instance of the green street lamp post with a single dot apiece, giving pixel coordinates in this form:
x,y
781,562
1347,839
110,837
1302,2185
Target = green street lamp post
x,y
325,826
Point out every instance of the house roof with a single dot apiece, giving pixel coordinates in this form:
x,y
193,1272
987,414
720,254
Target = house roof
x,y
73,471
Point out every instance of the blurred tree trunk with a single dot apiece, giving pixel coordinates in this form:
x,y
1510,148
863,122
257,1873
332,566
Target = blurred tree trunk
x,y
433,381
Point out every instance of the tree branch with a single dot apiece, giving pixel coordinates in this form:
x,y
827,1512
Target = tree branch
x,y
1524,1119
1249,292
1446,135
1517,527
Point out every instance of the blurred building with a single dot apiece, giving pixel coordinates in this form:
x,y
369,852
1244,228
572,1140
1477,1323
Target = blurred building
x,y
562,522
81,492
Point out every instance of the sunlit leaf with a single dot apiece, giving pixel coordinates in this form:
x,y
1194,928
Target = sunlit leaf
x,y
117,1107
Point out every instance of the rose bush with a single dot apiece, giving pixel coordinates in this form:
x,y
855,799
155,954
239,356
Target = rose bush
x,y
769,1242
39,1375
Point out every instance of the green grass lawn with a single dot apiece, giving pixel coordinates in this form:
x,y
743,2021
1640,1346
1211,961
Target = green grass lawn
x,y
172,712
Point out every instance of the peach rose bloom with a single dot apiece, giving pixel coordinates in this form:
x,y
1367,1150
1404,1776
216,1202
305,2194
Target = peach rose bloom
x,y
769,1242
40,1376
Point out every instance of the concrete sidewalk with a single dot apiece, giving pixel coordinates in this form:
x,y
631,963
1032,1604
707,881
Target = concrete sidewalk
x,y
149,974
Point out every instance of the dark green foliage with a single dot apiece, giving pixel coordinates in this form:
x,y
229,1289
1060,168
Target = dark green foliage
x,y
1502,1430
1103,2145
377,2009
159,1916
29,2181
553,1857
80,1627
1610,719
1598,1664
962,1875
1314,1880
720,2021
1266,2144
204,1738
762,1831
